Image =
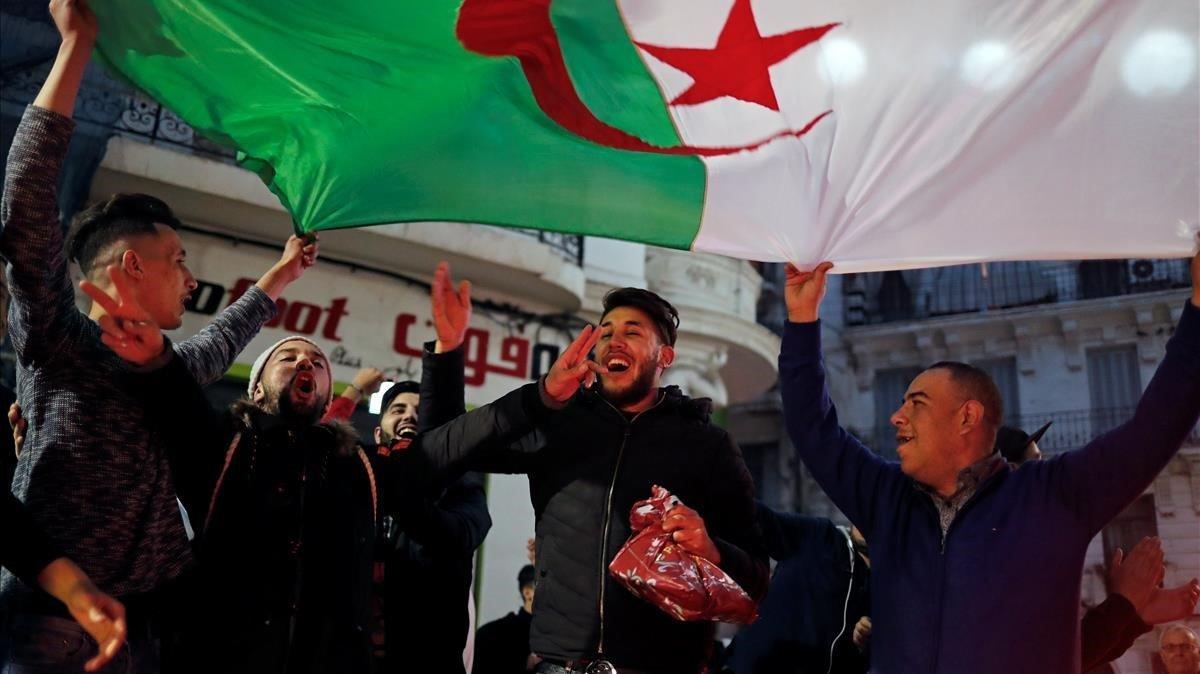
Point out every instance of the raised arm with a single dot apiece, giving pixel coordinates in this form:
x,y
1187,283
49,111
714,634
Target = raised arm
x,y
1109,629
442,387
1100,479
407,478
364,385
854,477
500,437
43,314
212,351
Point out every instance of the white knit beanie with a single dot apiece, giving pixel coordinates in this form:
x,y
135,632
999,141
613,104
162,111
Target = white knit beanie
x,y
261,361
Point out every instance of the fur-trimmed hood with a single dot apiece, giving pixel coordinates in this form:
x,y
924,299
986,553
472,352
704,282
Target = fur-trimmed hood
x,y
248,416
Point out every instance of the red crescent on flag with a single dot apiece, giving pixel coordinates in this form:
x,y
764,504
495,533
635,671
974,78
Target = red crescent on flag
x,y
522,28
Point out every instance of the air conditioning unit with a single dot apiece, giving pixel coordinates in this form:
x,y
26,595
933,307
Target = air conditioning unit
x,y
1141,271
1150,275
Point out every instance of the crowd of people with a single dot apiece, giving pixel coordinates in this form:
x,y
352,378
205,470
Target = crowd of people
x,y
146,531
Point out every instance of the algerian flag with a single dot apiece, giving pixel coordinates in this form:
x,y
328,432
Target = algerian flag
x,y
874,133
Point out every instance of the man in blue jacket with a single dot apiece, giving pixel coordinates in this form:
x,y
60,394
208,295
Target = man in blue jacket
x,y
953,530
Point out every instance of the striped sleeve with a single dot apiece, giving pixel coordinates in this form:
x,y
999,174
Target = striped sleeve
x,y
42,315
212,351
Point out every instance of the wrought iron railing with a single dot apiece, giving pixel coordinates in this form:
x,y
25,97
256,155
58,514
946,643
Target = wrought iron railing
x,y
928,293
1069,429
145,119
570,246
1072,429
106,105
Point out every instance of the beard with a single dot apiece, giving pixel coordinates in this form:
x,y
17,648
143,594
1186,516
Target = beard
x,y
396,442
280,403
402,438
637,390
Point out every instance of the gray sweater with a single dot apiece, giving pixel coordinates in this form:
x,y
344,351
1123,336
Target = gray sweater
x,y
92,474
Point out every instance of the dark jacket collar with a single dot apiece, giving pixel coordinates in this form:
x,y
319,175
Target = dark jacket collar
x,y
250,417
671,399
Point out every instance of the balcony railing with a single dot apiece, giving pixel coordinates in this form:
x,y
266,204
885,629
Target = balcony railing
x,y
108,106
146,120
570,246
1069,430
945,291
1072,430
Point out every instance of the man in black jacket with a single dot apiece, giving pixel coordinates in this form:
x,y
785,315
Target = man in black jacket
x,y
428,561
590,461
286,510
287,507
427,542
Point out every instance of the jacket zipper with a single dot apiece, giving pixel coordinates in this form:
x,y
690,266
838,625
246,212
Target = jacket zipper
x,y
986,486
612,485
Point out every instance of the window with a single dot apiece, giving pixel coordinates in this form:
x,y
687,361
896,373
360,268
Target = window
x,y
1114,385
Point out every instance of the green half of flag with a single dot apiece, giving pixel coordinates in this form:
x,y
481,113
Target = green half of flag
x,y
362,113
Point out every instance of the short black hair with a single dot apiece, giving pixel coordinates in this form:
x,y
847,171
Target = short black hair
x,y
408,386
665,317
96,227
526,576
976,385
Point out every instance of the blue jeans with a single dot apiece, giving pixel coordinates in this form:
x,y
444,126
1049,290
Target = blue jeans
x,y
38,644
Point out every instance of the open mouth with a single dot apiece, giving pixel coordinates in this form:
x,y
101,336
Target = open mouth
x,y
618,364
902,439
406,432
305,384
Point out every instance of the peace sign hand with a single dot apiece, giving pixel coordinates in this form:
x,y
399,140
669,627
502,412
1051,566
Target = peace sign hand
x,y
125,327
573,368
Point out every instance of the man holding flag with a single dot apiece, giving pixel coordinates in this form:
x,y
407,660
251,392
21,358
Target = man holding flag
x,y
953,529
92,474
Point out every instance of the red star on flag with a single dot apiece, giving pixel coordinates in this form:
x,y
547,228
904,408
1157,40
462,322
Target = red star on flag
x,y
738,65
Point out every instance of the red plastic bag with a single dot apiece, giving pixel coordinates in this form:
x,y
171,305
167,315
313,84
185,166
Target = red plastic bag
x,y
653,567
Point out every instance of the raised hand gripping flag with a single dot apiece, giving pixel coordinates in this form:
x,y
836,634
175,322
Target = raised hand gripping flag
x,y
875,134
